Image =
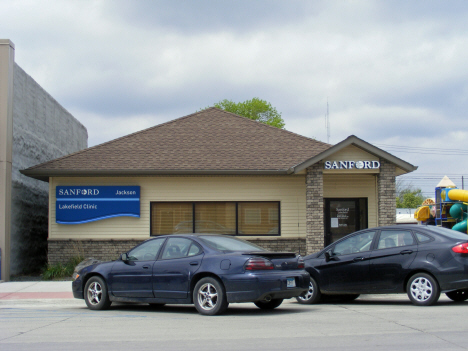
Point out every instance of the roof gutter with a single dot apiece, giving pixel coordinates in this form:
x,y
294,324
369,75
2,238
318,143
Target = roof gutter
x,y
44,175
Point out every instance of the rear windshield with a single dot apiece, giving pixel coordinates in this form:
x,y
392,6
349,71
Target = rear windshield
x,y
448,232
228,243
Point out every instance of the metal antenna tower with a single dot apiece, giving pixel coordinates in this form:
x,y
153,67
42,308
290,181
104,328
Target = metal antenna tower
x,y
327,124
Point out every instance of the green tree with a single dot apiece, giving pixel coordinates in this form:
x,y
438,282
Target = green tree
x,y
409,198
256,109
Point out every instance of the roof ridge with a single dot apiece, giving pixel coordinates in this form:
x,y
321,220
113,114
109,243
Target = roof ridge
x,y
270,126
208,112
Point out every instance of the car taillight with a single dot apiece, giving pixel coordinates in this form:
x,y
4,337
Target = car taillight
x,y
462,248
256,264
300,263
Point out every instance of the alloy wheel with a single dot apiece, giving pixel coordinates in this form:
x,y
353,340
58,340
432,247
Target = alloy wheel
x,y
94,293
207,296
308,295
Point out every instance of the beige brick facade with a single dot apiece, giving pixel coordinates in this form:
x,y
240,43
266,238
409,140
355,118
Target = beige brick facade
x,y
386,193
314,208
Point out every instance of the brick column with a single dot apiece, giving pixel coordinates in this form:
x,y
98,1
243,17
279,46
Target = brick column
x,y
314,208
387,193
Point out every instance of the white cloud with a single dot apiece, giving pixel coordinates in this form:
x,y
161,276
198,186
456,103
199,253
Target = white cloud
x,y
393,71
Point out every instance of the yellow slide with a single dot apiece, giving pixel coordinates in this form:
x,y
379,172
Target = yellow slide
x,y
455,194
422,213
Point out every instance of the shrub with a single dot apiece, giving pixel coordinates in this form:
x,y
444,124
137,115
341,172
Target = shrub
x,y
58,270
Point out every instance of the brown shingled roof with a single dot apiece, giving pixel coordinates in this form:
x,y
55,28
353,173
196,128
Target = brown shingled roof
x,y
209,141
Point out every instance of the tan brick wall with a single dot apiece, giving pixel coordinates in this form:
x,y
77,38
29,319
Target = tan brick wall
x,y
386,193
61,251
314,208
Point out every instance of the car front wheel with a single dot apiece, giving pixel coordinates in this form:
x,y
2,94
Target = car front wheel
x,y
423,290
458,295
96,295
312,295
209,297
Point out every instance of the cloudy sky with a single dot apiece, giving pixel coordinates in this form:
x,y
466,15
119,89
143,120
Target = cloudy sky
x,y
395,73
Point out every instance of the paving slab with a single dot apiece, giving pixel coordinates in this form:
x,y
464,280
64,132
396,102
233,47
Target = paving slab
x,y
35,290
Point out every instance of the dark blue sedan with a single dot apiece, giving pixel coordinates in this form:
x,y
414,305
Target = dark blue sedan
x,y
209,271
422,261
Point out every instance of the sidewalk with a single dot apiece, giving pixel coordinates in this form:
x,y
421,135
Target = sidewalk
x,y
35,290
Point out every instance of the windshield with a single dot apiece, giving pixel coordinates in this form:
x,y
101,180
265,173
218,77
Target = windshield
x,y
448,232
228,243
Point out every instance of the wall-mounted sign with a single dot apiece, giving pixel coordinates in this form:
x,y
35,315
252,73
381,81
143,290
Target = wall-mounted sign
x,y
82,204
352,164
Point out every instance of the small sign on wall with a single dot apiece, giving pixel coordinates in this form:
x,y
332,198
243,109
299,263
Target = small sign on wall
x,y
82,204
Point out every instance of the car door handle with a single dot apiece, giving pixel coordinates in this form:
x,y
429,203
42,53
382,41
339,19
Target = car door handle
x,y
194,263
146,266
406,252
357,259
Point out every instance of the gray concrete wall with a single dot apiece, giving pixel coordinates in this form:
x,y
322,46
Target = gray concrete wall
x,y
42,130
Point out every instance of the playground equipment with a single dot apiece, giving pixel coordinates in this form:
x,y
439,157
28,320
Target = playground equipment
x,y
449,210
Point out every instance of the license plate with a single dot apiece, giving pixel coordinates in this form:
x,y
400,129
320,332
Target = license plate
x,y
291,282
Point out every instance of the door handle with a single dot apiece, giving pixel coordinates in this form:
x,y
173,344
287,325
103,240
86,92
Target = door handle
x,y
357,259
146,266
406,252
194,263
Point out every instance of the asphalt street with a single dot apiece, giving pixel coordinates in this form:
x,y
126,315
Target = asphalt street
x,y
386,322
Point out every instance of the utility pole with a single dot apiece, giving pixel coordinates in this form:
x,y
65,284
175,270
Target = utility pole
x,y
327,124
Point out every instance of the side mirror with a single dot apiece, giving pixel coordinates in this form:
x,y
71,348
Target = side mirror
x,y
328,255
124,257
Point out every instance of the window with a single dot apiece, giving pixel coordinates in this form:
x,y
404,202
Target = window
x,y
229,244
357,243
215,217
395,238
171,217
147,251
258,218
232,218
423,238
179,248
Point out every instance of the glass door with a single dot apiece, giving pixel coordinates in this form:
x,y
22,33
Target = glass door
x,y
344,216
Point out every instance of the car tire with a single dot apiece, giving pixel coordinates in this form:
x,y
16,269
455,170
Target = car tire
x,y
458,295
270,305
209,297
423,289
96,295
312,295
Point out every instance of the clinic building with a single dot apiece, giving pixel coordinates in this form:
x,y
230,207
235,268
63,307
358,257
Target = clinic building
x,y
216,172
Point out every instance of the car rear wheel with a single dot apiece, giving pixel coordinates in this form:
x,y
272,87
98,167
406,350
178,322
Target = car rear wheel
x,y
95,295
458,295
423,290
209,297
312,295
268,305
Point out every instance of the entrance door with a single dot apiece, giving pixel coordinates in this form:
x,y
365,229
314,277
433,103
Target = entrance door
x,y
344,216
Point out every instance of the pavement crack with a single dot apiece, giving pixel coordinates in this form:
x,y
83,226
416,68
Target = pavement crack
x,y
16,291
403,325
42,326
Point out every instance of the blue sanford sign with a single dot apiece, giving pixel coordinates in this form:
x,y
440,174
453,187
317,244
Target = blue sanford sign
x,y
82,204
